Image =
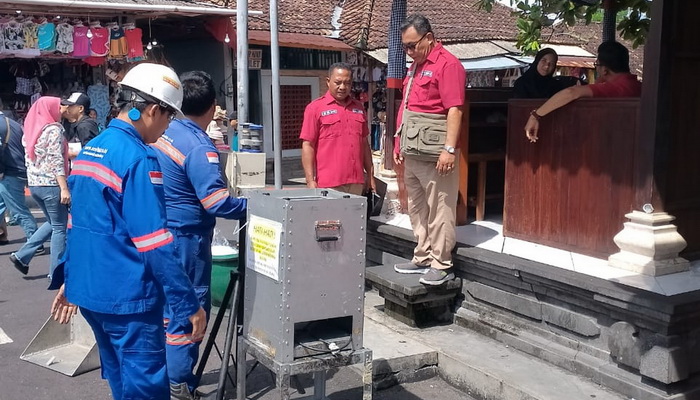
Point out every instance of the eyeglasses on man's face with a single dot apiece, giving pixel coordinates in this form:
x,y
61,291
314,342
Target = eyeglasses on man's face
x,y
171,112
412,46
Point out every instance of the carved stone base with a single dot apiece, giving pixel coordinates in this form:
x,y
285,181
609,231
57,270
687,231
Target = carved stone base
x,y
649,244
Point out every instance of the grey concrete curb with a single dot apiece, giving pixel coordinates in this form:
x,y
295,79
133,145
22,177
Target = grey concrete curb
x,y
490,370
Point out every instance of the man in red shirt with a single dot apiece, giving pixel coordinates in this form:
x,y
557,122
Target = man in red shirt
x,y
435,85
614,80
335,150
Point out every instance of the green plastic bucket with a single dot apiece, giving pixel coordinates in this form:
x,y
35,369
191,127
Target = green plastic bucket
x,y
224,260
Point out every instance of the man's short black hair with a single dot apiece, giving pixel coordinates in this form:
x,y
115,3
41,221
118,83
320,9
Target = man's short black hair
x,y
339,65
125,106
614,55
198,93
419,22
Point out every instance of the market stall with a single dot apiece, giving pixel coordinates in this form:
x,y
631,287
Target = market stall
x,y
55,48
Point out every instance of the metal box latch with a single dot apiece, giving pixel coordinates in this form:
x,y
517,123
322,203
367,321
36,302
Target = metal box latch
x,y
328,231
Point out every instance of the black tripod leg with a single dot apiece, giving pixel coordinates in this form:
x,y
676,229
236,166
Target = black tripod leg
x,y
230,334
211,341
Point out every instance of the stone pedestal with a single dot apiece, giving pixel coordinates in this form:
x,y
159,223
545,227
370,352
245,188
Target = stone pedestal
x,y
408,301
649,244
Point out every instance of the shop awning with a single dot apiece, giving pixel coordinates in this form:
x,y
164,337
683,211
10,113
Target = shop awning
x,y
499,54
299,40
463,51
381,55
577,62
564,61
149,7
491,63
488,64
564,50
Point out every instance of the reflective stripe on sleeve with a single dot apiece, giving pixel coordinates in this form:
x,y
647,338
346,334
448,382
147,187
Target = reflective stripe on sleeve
x,y
152,240
99,173
170,151
179,340
209,201
70,222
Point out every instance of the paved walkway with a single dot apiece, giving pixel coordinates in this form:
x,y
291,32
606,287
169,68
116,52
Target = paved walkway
x,y
24,307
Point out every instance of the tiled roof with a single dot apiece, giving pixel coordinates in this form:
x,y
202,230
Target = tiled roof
x,y
452,21
299,40
589,37
294,16
155,7
355,20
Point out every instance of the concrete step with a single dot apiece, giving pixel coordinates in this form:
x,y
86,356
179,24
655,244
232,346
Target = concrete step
x,y
397,358
487,369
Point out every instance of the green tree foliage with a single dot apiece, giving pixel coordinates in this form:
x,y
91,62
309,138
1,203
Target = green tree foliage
x,y
534,15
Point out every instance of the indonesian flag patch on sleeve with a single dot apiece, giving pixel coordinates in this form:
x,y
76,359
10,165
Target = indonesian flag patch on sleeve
x,y
212,157
156,177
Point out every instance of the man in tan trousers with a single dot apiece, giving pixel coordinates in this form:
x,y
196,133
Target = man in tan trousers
x,y
434,87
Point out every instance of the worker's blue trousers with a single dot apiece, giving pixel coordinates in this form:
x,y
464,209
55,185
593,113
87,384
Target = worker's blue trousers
x,y
132,352
194,251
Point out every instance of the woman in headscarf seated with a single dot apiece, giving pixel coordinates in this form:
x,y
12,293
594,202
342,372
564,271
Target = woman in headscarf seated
x,y
538,82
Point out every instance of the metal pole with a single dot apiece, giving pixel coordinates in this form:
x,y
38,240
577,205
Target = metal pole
x,y
242,59
276,112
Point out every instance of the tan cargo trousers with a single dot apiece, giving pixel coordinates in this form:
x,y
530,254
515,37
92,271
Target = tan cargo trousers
x,y
352,188
432,204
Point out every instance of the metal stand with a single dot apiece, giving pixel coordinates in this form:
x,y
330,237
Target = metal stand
x,y
317,365
233,287
232,299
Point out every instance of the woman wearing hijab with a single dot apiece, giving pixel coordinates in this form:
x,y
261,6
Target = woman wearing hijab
x,y
46,157
538,81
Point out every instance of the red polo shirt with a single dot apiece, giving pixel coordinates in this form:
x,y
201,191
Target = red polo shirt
x,y
622,85
439,85
336,132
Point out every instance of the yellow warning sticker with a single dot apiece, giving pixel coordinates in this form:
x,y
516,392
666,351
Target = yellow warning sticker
x,y
263,246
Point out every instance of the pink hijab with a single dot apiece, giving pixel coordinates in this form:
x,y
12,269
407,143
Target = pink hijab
x,y
45,111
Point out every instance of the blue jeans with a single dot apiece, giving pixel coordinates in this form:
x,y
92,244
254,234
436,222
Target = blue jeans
x,y
12,193
49,199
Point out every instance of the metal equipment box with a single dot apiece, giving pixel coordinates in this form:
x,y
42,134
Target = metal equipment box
x,y
305,272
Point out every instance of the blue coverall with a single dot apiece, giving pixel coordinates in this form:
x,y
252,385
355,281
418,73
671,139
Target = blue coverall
x,y
121,265
195,194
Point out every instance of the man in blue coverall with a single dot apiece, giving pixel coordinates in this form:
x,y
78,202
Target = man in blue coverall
x,y
195,194
121,265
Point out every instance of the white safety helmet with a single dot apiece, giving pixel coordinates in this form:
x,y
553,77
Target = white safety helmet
x,y
156,81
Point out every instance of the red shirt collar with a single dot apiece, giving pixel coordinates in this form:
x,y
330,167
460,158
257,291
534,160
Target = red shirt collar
x,y
330,99
432,57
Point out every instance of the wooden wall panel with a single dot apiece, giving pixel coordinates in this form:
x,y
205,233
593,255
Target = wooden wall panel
x,y
678,166
573,187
